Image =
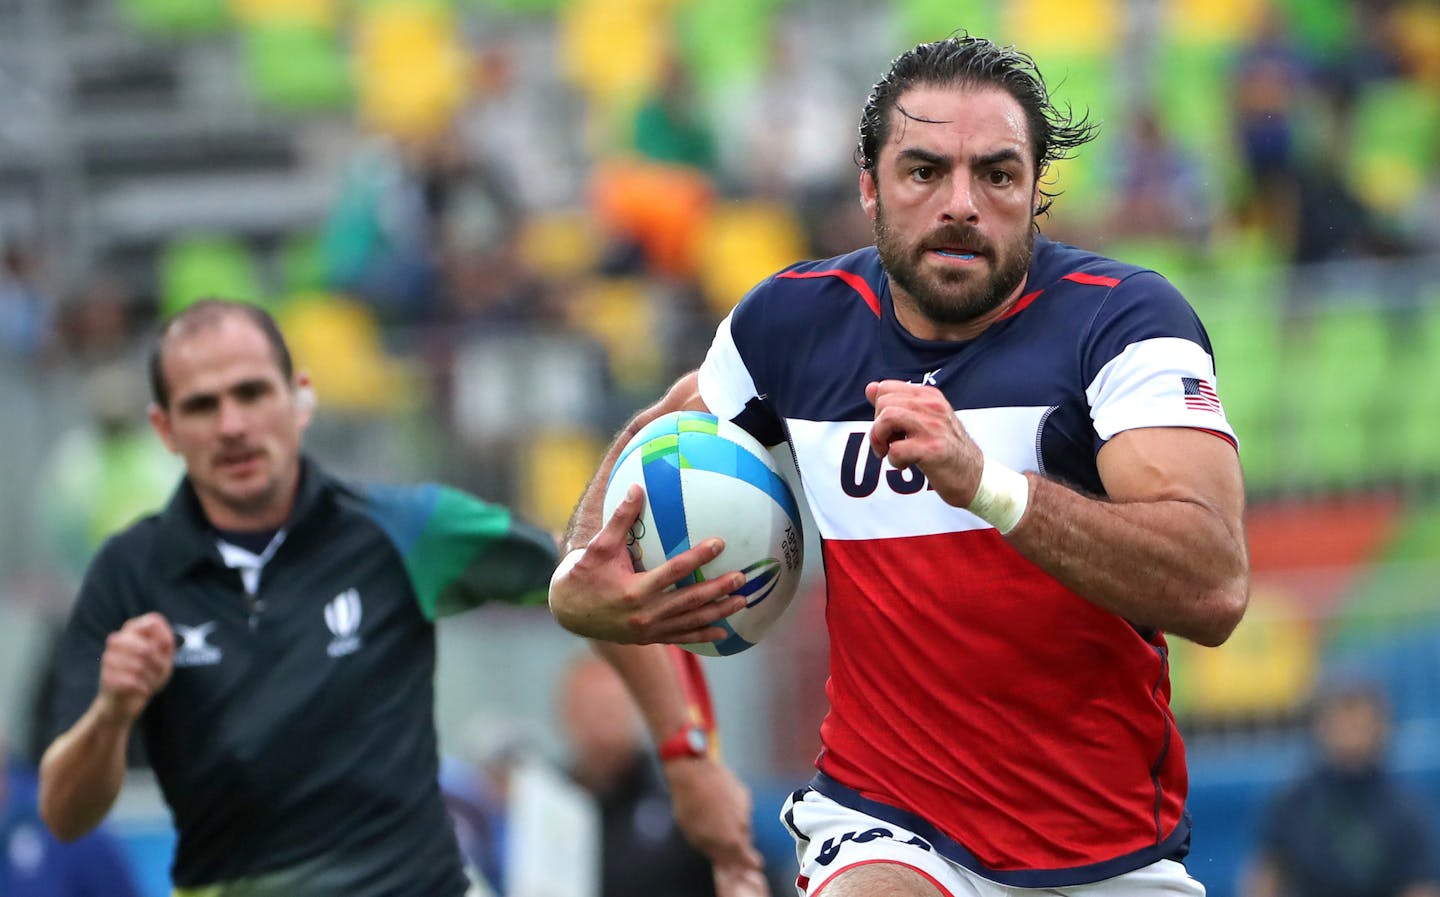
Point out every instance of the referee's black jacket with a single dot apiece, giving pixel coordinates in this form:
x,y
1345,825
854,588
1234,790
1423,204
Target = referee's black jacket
x,y
295,742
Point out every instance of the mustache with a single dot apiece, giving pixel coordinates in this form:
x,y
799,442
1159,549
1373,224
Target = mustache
x,y
958,235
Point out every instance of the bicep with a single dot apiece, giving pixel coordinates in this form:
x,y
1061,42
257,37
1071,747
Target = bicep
x,y
1174,464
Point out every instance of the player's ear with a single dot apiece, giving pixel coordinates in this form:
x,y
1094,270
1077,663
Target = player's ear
x,y
304,398
869,193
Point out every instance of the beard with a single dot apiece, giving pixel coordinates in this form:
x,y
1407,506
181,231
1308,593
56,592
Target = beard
x,y
953,296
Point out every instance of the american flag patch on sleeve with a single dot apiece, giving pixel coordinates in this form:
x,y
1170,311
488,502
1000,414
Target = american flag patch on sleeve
x,y
1200,395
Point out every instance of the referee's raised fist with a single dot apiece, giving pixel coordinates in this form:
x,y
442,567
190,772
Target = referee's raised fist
x,y
136,664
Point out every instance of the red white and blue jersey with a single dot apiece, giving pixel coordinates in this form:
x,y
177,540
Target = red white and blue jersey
x,y
973,698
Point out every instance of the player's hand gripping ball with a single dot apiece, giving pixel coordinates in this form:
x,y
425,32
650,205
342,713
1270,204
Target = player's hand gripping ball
x,y
706,478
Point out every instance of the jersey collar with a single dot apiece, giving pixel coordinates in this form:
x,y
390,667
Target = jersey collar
x,y
186,538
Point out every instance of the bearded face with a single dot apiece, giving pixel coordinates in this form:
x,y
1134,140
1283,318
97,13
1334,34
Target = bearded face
x,y
956,290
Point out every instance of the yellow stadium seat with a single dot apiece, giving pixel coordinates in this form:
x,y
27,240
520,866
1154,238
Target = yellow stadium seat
x,y
313,13
557,465
412,69
742,243
338,341
1211,21
619,313
1065,26
1267,666
613,49
562,244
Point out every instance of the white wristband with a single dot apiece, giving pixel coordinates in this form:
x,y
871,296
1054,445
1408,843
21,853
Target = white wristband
x,y
1001,498
565,565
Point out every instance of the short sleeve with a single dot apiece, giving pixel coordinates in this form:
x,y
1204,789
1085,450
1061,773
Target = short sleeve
x,y
733,379
1147,363
461,552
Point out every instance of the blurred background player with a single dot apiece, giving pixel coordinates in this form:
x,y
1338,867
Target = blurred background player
x,y
270,638
33,863
1348,828
643,851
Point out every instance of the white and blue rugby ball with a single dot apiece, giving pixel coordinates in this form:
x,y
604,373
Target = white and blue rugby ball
x,y
705,477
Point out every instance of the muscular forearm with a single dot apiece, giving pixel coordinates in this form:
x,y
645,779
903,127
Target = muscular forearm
x,y
81,774
585,522
1176,565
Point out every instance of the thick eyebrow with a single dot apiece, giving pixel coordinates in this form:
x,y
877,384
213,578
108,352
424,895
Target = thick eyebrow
x,y
914,153
936,160
1005,155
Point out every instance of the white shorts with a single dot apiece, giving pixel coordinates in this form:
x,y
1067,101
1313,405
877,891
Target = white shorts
x,y
831,838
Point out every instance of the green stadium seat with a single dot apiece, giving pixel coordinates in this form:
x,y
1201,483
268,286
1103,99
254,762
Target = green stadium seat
x,y
1192,96
1395,142
297,67
1335,380
302,264
1322,26
197,267
1088,83
519,7
1411,438
726,42
927,20
180,18
1247,342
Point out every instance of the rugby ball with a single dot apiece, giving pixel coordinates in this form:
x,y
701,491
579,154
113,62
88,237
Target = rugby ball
x,y
705,477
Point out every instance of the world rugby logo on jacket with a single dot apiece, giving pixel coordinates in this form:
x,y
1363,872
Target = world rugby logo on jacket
x,y
342,617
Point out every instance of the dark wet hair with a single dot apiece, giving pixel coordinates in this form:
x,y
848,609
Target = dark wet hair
x,y
207,312
966,61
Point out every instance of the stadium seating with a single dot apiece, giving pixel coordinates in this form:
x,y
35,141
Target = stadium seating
x,y
296,67
411,71
198,266
1395,138
315,13
338,341
925,20
176,18
726,42
1334,376
623,317
1247,341
558,463
742,243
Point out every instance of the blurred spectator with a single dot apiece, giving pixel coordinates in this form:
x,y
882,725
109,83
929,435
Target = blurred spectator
x,y
669,123
1331,221
379,240
27,310
1270,86
1161,192
103,473
34,864
475,785
643,850
1347,829
417,224
100,324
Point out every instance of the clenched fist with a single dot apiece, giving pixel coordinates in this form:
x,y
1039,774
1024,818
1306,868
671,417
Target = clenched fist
x,y
136,664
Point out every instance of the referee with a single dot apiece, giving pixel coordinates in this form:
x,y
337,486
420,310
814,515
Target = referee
x,y
270,638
